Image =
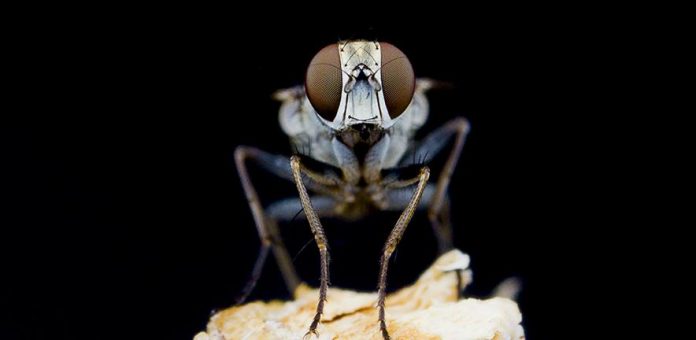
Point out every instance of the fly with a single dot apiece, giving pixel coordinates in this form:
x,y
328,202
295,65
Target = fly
x,y
359,110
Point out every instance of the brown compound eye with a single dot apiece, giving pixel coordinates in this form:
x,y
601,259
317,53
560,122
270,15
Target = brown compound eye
x,y
323,82
398,80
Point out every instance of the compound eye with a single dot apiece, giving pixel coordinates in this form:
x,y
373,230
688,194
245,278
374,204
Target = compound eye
x,y
323,82
398,80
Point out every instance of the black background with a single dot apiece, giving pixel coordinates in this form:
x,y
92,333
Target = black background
x,y
125,217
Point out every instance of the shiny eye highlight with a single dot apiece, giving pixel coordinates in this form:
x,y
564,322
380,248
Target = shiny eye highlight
x,y
323,82
398,80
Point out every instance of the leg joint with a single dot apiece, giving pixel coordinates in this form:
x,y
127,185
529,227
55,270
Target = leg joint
x,y
461,124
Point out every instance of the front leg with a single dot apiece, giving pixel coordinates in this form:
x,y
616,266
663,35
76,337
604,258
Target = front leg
x,y
266,220
319,237
393,241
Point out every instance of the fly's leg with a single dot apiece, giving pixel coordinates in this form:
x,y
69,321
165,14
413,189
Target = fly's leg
x,y
288,209
438,208
393,240
255,274
319,237
266,227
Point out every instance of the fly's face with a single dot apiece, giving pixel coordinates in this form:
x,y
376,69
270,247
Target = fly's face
x,y
359,88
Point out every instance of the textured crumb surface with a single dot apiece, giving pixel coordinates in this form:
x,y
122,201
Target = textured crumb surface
x,y
426,310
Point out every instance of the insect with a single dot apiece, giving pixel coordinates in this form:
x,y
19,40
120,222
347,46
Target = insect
x,y
352,125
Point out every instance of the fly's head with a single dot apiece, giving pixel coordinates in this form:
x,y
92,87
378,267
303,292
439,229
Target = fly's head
x,y
359,88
